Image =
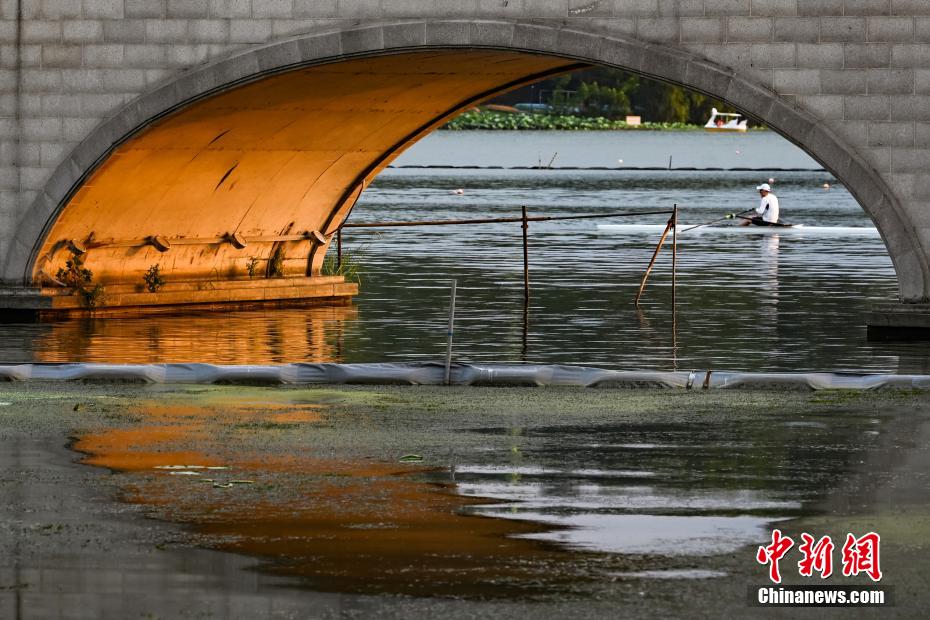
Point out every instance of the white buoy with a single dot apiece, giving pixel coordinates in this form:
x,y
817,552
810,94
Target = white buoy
x,y
826,186
771,181
459,192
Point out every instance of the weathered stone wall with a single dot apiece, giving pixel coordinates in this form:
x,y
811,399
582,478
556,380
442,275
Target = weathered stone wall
x,y
862,67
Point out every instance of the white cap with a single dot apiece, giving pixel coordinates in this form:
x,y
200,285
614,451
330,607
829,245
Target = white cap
x,y
765,186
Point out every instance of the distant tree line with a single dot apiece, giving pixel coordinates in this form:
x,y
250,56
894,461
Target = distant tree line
x,y
612,93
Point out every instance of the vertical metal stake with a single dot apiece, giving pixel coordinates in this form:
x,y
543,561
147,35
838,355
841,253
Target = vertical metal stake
x,y
674,250
674,275
447,379
526,261
339,247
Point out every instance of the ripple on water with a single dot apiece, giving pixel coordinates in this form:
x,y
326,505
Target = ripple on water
x,y
745,302
672,574
648,534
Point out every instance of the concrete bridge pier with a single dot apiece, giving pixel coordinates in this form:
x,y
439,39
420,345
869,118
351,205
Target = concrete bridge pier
x,y
897,321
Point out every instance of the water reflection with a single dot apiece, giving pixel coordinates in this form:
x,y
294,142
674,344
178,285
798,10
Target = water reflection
x,y
696,536
343,524
311,334
302,480
670,489
768,275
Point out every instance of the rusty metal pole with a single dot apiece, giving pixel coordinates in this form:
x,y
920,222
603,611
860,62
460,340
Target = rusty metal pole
x,y
526,261
338,247
492,220
642,285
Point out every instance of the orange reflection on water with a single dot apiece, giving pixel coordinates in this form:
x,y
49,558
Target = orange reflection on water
x,y
300,334
357,524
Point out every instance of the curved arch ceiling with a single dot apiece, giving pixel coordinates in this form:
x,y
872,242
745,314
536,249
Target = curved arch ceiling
x,y
269,162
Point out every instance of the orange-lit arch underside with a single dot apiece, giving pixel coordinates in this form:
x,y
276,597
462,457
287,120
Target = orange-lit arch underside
x,y
280,157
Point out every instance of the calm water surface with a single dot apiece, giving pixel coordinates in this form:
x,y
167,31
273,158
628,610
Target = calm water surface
x,y
744,301
581,491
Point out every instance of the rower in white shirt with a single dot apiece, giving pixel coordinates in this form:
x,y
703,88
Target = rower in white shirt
x,y
767,209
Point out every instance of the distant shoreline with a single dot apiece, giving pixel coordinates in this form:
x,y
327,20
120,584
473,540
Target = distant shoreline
x,y
524,121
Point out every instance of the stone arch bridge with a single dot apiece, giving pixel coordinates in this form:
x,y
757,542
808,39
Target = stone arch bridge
x,y
205,134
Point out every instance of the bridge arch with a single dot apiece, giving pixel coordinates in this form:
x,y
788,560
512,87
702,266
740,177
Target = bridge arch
x,y
181,139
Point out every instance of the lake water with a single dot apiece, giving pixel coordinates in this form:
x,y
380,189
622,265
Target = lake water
x,y
583,495
653,502
744,301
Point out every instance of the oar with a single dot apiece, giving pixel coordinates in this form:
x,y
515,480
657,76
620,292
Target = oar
x,y
728,216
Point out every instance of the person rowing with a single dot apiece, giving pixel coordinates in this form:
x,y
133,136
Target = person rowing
x,y
767,209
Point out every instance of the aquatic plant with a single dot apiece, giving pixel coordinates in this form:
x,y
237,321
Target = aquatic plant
x,y
153,279
488,119
349,268
79,278
251,266
94,296
276,263
74,274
